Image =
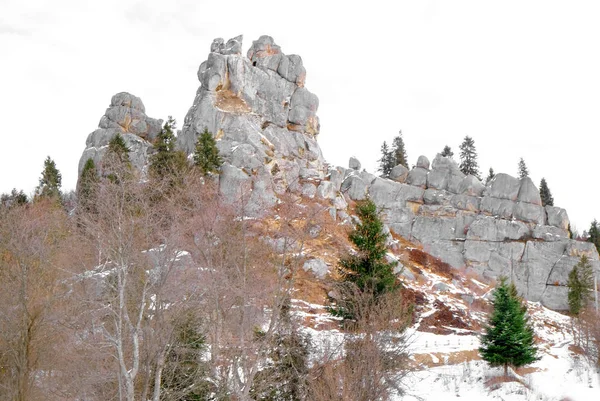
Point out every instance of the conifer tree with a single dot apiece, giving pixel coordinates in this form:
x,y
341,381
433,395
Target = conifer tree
x,y
386,163
206,156
594,234
508,340
117,147
545,194
490,176
581,285
167,162
523,171
399,151
87,186
15,198
50,182
468,157
447,152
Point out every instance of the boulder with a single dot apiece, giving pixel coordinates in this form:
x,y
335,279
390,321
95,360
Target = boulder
x,y
528,192
336,177
471,186
438,179
309,190
530,213
435,197
326,190
503,186
317,266
465,202
355,187
423,162
233,182
291,68
265,53
354,164
550,233
399,173
557,217
503,208
417,177
497,230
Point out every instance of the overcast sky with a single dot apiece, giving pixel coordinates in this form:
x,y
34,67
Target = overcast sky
x,y
520,77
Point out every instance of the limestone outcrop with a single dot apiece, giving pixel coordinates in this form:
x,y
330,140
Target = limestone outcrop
x,y
263,118
498,229
126,115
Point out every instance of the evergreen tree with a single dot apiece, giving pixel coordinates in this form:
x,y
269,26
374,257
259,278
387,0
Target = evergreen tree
x,y
468,157
594,234
167,162
117,147
545,194
447,152
581,285
523,171
386,163
206,156
285,376
490,176
15,198
508,340
50,182
116,162
87,186
399,151
366,270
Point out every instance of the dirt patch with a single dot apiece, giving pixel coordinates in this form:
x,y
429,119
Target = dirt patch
x,y
444,319
435,265
433,359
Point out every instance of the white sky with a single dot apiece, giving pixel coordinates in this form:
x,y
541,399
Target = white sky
x,y
521,77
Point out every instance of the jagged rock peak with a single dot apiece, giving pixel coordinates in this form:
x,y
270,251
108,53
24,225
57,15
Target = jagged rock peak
x,y
126,115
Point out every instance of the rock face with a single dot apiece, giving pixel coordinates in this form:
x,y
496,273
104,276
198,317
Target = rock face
x,y
126,115
501,229
263,118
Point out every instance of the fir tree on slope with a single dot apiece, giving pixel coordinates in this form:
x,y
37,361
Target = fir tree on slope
x,y
594,234
167,162
87,187
367,268
523,171
50,182
581,285
447,152
508,340
490,176
468,157
386,163
118,148
206,156
399,151
545,194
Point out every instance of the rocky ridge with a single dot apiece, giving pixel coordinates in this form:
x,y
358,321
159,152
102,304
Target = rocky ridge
x,y
266,127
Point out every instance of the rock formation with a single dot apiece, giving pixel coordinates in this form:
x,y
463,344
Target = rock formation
x,y
263,118
501,229
126,115
266,127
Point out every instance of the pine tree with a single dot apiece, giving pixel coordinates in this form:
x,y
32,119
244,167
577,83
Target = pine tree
x,y
508,340
50,182
523,171
545,194
167,162
206,156
581,285
594,234
87,186
490,176
15,198
399,151
117,147
447,152
468,157
386,163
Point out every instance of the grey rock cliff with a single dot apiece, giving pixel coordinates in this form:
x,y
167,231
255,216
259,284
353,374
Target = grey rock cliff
x,y
263,118
126,115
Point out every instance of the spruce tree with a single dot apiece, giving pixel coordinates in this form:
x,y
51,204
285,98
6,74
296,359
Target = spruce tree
x,y
206,156
447,152
523,171
594,234
386,163
117,147
468,157
167,162
545,194
399,151
50,182
508,340
490,176
581,285
87,186
15,198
